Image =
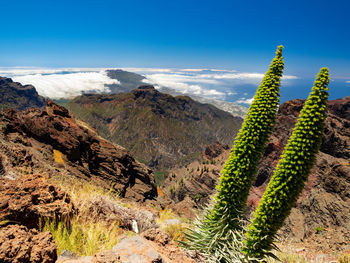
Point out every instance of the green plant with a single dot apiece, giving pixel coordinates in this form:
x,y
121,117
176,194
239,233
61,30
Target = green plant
x,y
291,172
319,229
240,169
159,177
220,230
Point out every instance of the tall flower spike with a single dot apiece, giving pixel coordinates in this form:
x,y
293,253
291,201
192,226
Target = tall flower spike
x,y
241,167
291,172
219,231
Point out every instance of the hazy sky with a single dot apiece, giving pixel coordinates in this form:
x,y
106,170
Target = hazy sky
x,y
240,35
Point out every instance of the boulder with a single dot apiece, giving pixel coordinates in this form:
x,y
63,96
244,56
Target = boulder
x,y
136,249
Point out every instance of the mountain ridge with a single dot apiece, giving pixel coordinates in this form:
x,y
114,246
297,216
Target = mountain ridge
x,y
18,96
156,127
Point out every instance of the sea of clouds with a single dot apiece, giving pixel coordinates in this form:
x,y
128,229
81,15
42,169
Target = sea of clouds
x,y
228,85
62,83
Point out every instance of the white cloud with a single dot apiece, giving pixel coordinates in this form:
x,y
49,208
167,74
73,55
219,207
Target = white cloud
x,y
67,85
21,71
203,82
67,82
347,81
245,101
177,82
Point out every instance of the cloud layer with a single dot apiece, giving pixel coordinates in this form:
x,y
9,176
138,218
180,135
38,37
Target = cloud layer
x,y
212,83
63,83
229,85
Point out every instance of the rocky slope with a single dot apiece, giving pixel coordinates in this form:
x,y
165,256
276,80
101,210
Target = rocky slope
x,y
51,141
320,219
14,95
157,128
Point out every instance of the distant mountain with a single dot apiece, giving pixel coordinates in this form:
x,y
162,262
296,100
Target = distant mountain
x,y
159,129
231,107
14,95
128,80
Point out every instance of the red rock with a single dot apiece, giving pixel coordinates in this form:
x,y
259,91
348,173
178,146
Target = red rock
x,y
29,198
86,155
18,244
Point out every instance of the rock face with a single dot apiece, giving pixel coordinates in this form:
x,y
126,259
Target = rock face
x,y
214,150
157,128
53,137
14,95
29,198
18,244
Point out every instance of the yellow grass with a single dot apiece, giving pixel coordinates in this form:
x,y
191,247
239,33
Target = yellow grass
x,y
165,214
344,258
58,156
82,237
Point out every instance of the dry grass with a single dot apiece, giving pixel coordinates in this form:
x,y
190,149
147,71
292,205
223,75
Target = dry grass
x,y
289,258
166,214
81,190
344,258
175,231
82,237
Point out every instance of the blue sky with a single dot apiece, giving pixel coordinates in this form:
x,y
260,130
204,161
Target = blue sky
x,y
239,35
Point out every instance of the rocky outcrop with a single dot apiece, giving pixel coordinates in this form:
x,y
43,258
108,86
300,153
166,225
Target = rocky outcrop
x,y
53,136
30,198
14,95
214,150
18,244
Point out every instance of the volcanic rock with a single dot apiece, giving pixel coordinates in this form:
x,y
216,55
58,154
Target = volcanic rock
x,y
30,198
18,244
214,150
54,136
136,249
